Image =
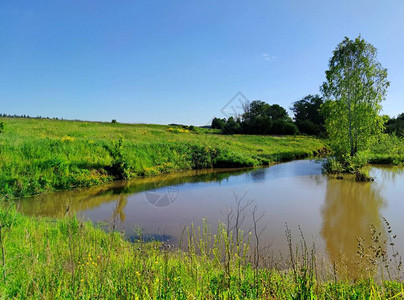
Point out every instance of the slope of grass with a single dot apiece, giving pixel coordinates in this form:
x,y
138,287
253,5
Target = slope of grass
x,y
68,259
45,155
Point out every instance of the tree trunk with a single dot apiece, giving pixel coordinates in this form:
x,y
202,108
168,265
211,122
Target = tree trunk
x,y
350,129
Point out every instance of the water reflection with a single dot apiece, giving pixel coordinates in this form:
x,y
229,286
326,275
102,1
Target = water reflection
x,y
349,210
258,175
56,205
295,192
120,208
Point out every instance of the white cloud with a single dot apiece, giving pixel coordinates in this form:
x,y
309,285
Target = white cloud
x,y
269,57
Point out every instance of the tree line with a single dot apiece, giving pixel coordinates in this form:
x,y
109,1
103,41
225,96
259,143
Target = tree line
x,y
259,117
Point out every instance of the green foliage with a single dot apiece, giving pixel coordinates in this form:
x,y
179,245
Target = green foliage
x,y
389,149
396,125
39,155
333,166
113,121
284,127
258,118
202,157
218,123
261,118
2,127
307,115
356,84
349,164
232,126
120,165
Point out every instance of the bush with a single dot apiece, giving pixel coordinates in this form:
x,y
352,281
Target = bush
x,y
333,166
354,163
284,127
231,127
120,166
202,157
2,127
290,129
218,123
114,121
308,127
347,164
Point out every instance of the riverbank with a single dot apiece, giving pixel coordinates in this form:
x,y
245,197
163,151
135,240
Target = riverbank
x,y
41,155
70,259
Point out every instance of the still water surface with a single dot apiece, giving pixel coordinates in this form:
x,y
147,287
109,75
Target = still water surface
x,y
331,212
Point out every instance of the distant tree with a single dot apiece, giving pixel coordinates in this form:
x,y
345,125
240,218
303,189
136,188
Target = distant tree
x,y
232,126
113,121
260,117
396,125
307,114
218,123
277,112
355,85
284,127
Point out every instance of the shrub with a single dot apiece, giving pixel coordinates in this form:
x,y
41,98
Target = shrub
x,y
120,166
348,164
333,166
2,127
289,129
284,127
356,162
308,127
202,157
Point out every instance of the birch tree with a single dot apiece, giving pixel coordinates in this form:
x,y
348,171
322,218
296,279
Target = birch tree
x,y
355,85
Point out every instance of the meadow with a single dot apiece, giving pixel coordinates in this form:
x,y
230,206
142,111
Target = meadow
x,y
69,259
43,155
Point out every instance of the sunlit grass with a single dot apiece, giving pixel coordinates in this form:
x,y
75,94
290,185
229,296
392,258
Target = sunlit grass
x,y
45,155
69,259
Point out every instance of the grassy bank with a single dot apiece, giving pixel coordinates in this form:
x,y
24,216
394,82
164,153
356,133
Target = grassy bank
x,y
389,150
45,155
68,259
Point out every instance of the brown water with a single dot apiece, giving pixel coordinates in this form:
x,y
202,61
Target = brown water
x,y
331,212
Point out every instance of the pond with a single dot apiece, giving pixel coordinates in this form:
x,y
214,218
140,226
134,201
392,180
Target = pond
x,y
331,212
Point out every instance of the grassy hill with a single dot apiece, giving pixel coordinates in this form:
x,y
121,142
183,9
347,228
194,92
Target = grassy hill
x,y
39,155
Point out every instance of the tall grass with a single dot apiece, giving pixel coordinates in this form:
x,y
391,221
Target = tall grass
x,y
39,156
70,259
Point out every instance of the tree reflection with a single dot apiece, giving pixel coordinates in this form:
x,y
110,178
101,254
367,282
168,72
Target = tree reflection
x,y
350,210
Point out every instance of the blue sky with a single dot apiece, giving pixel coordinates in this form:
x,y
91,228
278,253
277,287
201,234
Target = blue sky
x,y
181,61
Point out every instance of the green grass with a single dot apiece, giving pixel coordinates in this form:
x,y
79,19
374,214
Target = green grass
x,y
45,155
69,259
389,150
